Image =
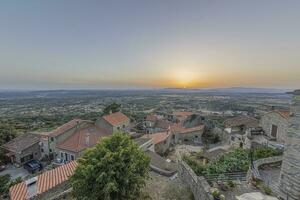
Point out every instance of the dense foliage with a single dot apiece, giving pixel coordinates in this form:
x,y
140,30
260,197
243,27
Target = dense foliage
x,y
6,134
6,183
112,108
235,161
116,168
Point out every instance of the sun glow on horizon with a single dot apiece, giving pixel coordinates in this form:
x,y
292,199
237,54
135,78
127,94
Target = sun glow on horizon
x,y
185,78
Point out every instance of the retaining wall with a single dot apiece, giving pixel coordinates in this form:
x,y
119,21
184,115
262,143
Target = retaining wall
x,y
198,185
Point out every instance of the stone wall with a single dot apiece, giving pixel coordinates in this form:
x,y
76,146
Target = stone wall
x,y
198,185
274,118
54,193
290,170
254,172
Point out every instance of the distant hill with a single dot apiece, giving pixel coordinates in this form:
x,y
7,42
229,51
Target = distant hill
x,y
232,90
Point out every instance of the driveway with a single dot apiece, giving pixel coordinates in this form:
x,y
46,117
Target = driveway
x,y
15,172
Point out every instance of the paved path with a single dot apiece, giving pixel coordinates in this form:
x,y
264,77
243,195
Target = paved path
x,y
15,172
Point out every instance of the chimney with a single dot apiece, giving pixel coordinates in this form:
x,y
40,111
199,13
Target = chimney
x,y
87,139
31,187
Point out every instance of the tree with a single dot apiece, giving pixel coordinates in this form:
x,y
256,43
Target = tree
x,y
112,108
116,168
7,133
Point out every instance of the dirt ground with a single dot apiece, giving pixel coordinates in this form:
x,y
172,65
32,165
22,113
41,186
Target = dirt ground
x,y
163,188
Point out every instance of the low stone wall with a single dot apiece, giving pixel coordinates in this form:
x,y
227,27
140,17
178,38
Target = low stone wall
x,y
254,171
198,185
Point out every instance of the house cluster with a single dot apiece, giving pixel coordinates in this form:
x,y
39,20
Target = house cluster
x,y
170,129
65,143
271,129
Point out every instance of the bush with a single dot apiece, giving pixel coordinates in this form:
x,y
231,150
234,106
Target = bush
x,y
235,161
231,184
267,190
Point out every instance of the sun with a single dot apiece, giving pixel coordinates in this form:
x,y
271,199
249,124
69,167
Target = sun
x,y
184,78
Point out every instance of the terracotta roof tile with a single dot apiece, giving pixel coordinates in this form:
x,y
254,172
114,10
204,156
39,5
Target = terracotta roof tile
x,y
63,128
180,129
77,141
157,137
45,181
284,113
116,118
151,118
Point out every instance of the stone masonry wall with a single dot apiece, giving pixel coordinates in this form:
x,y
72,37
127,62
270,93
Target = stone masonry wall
x,y
290,170
198,185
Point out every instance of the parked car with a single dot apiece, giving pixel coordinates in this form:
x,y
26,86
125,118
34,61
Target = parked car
x,y
33,166
2,168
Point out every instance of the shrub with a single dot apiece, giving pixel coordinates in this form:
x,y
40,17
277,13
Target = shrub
x,y
267,189
230,183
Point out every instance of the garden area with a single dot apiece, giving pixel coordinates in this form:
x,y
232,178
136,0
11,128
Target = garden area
x,y
237,160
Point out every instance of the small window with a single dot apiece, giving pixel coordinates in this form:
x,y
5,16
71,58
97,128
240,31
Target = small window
x,y
52,139
196,136
50,150
42,150
72,157
61,155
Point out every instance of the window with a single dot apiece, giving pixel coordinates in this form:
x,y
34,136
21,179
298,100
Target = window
x,y
67,157
72,157
123,125
52,139
42,150
61,155
50,150
196,136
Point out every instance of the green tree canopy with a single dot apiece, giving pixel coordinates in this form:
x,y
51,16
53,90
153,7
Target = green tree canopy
x,y
116,168
112,108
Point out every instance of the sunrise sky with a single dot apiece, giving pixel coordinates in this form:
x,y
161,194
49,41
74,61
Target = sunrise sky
x,y
70,44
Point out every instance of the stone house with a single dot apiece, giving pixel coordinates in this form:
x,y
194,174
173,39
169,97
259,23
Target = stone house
x,y
73,147
63,132
68,141
114,122
161,141
237,128
183,134
150,120
275,124
23,149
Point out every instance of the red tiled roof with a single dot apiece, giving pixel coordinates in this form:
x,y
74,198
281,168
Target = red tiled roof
x,y
284,113
77,141
179,128
45,181
151,118
157,137
63,128
116,118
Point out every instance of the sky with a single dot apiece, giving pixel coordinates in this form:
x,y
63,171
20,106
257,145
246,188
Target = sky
x,y
125,44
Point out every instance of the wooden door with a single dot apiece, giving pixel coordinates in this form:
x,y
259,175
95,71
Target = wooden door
x,y
274,131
